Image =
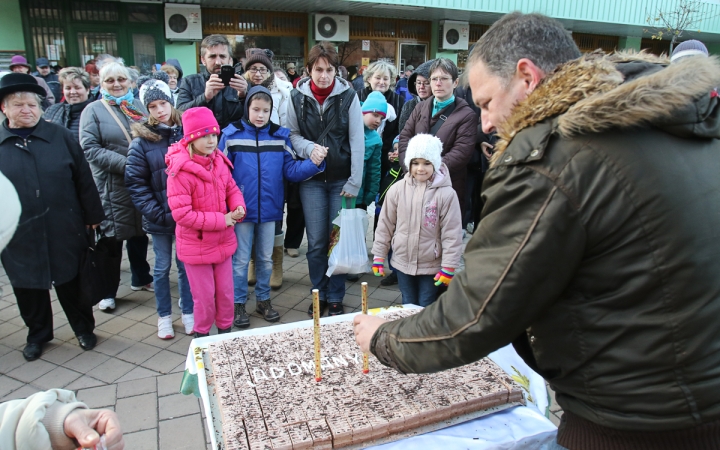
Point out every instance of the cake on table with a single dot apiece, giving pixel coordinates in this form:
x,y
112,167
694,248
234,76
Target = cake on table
x,y
269,399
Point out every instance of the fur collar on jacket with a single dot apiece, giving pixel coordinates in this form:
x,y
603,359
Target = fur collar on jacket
x,y
599,92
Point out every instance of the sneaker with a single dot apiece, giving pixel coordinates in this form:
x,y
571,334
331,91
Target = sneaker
x,y
241,317
336,309
188,321
165,328
292,252
148,287
266,310
389,280
323,307
106,304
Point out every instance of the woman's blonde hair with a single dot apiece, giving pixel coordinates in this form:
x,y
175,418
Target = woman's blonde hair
x,y
380,66
113,69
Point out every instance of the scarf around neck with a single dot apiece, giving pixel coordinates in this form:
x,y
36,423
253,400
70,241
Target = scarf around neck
x,y
437,106
125,103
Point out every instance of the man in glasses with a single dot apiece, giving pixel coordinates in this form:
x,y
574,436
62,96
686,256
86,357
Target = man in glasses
x,y
207,88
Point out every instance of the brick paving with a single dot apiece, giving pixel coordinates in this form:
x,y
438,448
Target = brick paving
x,y
133,372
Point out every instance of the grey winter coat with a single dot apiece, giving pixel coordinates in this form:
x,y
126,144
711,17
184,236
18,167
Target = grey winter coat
x,y
58,199
106,149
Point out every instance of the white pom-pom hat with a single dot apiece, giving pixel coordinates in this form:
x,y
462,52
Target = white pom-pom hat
x,y
425,146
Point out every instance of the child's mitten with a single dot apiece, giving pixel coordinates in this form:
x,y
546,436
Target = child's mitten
x,y
445,275
378,267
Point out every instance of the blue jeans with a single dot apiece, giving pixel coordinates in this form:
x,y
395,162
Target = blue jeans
x,y
417,289
163,248
321,203
263,236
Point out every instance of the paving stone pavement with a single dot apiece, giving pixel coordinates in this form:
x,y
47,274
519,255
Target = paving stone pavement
x,y
133,372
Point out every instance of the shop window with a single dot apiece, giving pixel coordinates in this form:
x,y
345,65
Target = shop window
x,y
50,43
95,12
224,21
144,52
591,42
143,13
93,44
285,48
412,54
351,53
44,10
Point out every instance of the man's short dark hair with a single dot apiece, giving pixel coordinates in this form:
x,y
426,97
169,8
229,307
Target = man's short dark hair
x,y
539,38
212,41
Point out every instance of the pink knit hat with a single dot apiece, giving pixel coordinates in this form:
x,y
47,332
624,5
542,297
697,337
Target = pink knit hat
x,y
197,122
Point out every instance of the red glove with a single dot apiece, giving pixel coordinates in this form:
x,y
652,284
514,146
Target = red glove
x,y
445,276
378,267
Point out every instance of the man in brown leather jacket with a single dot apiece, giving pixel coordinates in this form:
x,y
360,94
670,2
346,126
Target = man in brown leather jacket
x,y
598,253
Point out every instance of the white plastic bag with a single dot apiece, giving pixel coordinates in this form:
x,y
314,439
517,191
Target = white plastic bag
x,y
349,254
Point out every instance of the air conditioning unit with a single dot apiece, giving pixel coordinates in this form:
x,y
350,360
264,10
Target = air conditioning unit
x,y
329,27
183,22
455,35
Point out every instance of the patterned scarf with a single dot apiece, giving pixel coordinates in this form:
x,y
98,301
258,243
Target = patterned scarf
x,y
125,103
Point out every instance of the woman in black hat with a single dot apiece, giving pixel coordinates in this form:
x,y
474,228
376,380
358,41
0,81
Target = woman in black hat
x,y
59,201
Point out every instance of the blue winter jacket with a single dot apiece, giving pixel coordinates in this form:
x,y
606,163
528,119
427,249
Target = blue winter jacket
x,y
145,176
261,157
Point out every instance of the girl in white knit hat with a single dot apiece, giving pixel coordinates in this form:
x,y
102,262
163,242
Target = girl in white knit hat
x,y
421,221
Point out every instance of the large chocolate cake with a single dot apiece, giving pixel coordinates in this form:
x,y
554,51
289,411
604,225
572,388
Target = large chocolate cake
x,y
269,399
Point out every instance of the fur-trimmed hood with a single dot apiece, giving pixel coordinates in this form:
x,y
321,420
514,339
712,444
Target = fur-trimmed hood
x,y
599,92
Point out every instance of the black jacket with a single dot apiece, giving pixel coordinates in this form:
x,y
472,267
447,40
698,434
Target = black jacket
x,y
58,198
226,105
66,115
145,175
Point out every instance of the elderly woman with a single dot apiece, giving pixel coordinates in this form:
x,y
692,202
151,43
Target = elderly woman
x,y
450,119
105,137
174,70
325,119
76,85
59,200
419,87
380,76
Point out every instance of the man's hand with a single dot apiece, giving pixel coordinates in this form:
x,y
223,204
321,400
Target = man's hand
x,y
87,425
239,84
365,327
213,86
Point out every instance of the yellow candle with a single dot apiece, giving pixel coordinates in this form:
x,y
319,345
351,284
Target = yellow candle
x,y
366,364
316,333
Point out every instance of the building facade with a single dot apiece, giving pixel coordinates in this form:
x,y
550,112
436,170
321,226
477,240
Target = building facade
x,y
69,32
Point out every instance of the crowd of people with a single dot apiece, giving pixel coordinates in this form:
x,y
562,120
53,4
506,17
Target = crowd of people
x,y
598,270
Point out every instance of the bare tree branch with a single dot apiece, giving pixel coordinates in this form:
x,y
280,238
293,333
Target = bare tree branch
x,y
673,23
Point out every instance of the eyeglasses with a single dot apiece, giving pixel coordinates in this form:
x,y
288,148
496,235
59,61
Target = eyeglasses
x,y
112,80
422,83
441,79
261,71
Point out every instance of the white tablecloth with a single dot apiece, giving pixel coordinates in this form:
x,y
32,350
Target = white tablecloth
x,y
521,427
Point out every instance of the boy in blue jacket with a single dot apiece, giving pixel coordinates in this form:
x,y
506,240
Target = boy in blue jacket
x,y
261,154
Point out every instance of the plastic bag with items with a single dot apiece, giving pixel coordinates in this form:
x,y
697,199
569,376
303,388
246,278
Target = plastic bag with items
x,y
348,250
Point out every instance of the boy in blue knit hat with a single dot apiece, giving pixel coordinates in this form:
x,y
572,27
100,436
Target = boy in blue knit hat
x,y
374,111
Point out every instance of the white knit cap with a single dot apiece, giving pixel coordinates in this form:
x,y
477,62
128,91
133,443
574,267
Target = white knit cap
x,y
689,48
425,146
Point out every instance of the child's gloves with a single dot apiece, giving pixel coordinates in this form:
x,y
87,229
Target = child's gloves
x,y
445,275
378,267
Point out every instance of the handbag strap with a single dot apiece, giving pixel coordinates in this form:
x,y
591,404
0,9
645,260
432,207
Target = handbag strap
x,y
114,116
443,117
352,202
330,124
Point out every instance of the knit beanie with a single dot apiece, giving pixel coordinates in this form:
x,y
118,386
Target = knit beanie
x,y
689,48
152,90
258,55
198,122
375,103
424,70
425,146
396,140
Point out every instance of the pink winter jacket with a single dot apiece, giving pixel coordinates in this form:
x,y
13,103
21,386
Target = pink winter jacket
x,y
200,192
423,225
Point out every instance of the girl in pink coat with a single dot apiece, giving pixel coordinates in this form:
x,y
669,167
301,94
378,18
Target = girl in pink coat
x,y
206,203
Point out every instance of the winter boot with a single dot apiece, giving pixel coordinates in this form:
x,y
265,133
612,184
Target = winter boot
x,y
266,310
199,335
241,318
224,330
276,278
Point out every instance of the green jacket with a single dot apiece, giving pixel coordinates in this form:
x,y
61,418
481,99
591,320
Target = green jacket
x,y
598,253
371,169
